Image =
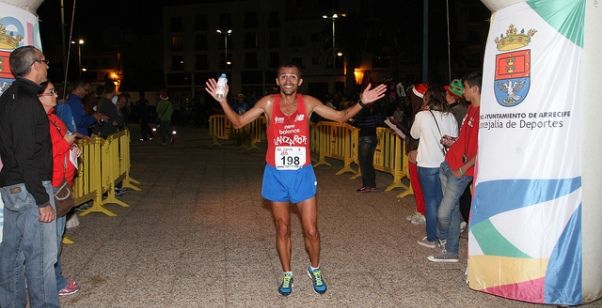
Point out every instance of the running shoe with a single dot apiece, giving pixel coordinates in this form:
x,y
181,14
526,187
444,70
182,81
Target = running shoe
x,y
286,287
317,281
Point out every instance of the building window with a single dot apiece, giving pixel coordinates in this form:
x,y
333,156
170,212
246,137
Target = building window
x,y
296,40
176,43
298,61
251,77
381,61
273,20
177,63
177,24
200,42
201,62
274,60
178,79
274,39
251,39
251,20
225,20
250,60
200,23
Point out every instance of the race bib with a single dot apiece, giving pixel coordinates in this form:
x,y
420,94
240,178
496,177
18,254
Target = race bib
x,y
289,158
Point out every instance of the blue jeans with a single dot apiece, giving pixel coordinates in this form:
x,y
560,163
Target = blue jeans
x,y
28,251
449,210
61,281
431,188
367,146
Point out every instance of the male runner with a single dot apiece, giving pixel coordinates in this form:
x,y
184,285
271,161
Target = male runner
x,y
289,176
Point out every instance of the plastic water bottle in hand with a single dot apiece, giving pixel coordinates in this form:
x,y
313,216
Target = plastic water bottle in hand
x,y
220,91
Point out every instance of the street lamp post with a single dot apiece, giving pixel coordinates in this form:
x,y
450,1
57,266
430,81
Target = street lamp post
x,y
79,43
225,33
333,17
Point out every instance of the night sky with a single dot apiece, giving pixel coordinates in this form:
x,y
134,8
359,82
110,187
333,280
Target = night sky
x,y
112,24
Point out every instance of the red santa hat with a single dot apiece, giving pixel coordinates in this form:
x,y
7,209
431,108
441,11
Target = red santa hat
x,y
420,89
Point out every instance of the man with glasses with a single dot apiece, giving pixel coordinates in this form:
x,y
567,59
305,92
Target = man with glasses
x,y
28,250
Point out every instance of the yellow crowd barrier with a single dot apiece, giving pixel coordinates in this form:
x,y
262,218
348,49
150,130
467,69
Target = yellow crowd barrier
x,y
102,165
335,141
219,128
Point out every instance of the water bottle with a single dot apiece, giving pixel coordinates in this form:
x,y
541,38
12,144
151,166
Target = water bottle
x,y
220,91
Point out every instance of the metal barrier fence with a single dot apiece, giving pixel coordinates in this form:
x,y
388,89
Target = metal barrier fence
x,y
338,141
102,165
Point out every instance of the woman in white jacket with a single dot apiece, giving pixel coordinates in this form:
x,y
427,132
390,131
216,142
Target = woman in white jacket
x,y
430,125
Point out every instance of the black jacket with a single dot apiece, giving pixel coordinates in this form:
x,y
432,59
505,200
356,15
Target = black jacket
x,y
25,146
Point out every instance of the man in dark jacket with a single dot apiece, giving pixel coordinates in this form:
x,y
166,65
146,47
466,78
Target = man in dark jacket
x,y
29,234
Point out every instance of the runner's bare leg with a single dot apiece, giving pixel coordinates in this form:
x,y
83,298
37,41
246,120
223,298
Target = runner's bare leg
x,y
309,221
282,222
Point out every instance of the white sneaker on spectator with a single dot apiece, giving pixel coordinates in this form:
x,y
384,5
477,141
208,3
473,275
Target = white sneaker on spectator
x,y
410,217
426,243
72,221
418,220
462,226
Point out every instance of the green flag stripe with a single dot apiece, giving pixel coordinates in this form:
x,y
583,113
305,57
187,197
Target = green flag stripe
x,y
566,16
492,243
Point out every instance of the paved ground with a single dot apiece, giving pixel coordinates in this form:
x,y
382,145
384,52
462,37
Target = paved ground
x,y
199,235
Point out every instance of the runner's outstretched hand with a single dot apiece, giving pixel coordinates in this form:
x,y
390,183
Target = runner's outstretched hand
x,y
373,94
211,88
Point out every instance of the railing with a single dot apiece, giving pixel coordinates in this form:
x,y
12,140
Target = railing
x,y
333,140
102,165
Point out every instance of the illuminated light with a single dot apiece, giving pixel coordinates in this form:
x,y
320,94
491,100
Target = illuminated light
x,y
359,76
340,54
173,132
84,69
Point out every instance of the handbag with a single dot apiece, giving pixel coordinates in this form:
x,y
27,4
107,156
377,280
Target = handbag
x,y
63,199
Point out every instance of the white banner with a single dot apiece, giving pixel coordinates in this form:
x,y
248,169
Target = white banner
x,y
525,229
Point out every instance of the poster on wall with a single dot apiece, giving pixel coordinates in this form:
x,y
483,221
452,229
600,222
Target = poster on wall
x,y
18,27
525,229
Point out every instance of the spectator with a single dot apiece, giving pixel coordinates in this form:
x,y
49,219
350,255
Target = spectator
x,y
456,172
416,103
164,112
367,120
430,125
83,120
107,105
62,170
28,250
457,105
141,110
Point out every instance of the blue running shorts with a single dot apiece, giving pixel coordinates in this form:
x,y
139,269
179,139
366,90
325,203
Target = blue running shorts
x,y
288,185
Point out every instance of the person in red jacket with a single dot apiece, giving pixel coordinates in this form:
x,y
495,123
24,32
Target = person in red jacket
x,y
63,143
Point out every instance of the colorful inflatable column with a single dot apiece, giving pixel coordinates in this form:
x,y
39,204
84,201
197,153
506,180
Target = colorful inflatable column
x,y
18,27
537,210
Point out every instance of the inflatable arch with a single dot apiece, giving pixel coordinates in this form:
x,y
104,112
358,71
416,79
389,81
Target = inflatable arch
x,y
536,215
18,26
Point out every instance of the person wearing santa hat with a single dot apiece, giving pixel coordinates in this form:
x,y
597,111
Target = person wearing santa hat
x,y
416,100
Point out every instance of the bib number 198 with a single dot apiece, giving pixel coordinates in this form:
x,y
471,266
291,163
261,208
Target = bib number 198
x,y
290,158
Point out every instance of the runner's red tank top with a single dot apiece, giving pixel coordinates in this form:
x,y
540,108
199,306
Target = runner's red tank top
x,y
288,137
